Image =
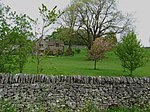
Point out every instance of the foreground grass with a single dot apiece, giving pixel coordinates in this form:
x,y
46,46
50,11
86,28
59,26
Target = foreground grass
x,y
79,65
8,106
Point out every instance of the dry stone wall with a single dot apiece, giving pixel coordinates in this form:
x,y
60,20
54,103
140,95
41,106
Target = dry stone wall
x,y
73,91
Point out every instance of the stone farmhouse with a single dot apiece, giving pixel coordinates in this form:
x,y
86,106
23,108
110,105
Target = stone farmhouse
x,y
49,47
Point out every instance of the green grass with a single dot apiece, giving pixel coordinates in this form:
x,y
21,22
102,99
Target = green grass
x,y
79,65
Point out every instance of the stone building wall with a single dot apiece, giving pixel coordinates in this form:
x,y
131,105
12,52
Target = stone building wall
x,y
73,91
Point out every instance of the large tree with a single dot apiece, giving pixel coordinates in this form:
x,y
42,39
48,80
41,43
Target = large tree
x,y
68,21
97,18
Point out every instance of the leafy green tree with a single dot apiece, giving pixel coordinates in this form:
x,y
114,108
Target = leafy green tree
x,y
61,34
130,52
7,62
21,33
14,39
64,35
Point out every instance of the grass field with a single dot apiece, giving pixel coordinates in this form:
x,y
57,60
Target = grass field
x,y
79,65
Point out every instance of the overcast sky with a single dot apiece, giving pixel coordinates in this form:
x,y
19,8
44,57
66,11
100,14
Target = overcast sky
x,y
139,8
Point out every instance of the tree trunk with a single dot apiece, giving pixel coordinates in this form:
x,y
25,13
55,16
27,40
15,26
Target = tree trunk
x,y
20,64
131,72
89,47
95,64
20,68
69,50
38,63
69,45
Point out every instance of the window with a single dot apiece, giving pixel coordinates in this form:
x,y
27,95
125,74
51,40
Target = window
x,y
57,44
41,45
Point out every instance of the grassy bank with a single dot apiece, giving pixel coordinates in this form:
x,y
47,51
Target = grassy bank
x,y
79,65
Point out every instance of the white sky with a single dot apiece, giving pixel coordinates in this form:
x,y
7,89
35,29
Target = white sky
x,y
139,8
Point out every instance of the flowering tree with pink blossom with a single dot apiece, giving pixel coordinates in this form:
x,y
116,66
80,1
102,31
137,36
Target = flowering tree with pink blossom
x,y
99,48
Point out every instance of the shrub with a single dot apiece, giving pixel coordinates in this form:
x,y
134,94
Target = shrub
x,y
90,107
59,52
48,52
69,52
77,51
